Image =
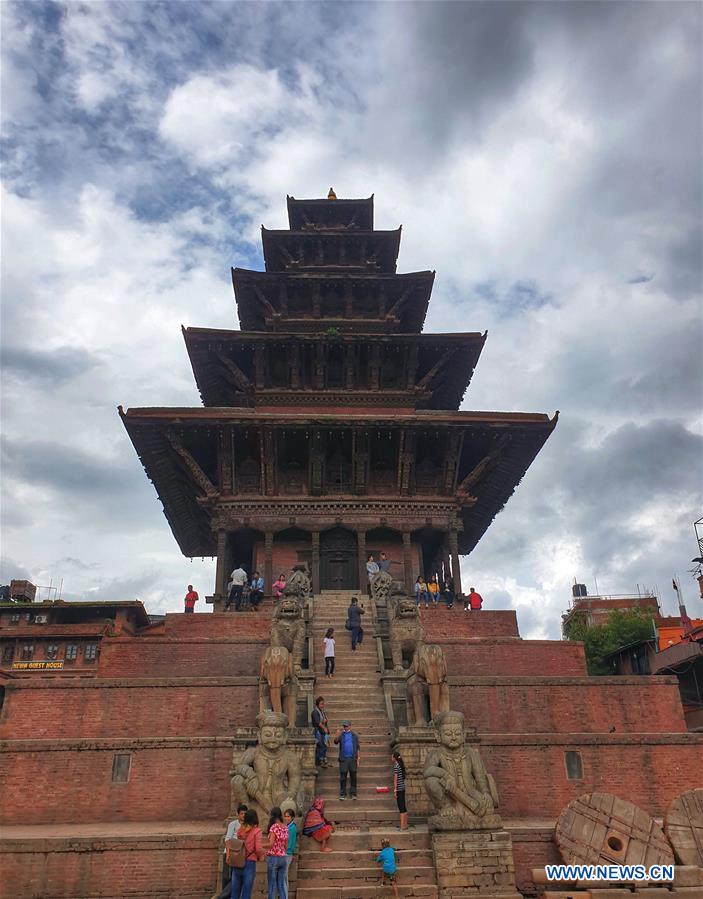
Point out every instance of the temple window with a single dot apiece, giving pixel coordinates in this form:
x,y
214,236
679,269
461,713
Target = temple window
x,y
574,764
90,652
8,652
27,651
15,618
121,766
278,366
52,650
71,652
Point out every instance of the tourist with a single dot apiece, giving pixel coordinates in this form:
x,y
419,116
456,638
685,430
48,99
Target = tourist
x,y
279,586
317,826
386,858
191,598
433,590
321,731
371,570
354,613
384,564
399,788
348,742
329,652
421,591
237,580
448,591
277,856
473,601
256,590
243,878
292,827
232,831
236,823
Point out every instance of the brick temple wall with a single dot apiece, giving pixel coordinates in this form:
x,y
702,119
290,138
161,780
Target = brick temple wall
x,y
71,780
57,709
547,705
512,657
441,623
140,867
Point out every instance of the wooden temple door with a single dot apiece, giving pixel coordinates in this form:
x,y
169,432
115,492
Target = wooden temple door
x,y
338,560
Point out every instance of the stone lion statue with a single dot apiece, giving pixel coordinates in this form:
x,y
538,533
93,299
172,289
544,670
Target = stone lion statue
x,y
288,628
268,774
405,630
461,790
428,679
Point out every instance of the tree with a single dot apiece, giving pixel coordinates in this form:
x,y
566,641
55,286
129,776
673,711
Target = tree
x,y
622,627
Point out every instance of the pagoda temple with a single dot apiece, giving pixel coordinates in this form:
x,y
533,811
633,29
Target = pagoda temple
x,y
329,428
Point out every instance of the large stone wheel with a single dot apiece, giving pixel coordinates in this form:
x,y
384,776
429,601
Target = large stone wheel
x,y
599,828
683,825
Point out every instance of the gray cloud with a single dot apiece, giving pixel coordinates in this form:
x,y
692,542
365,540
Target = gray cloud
x,y
47,366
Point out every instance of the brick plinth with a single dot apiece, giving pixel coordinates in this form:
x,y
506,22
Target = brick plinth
x,y
514,705
512,657
473,863
143,865
441,623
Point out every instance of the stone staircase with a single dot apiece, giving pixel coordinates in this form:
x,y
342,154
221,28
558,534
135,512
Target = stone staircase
x,y
355,693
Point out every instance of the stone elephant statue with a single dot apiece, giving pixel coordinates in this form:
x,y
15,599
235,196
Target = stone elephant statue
x,y
428,679
277,678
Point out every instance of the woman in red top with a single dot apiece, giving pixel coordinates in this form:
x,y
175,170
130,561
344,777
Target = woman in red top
x,y
243,878
317,826
276,857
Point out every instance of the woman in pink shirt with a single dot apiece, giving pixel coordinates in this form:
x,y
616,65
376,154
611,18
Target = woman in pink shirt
x,y
276,857
279,586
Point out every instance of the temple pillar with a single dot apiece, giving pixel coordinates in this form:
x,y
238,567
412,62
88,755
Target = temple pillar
x,y
408,563
444,551
454,552
361,549
268,561
295,366
221,569
315,562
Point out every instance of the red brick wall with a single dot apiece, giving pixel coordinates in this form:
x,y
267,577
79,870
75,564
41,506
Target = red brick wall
x,y
549,705
72,709
533,847
440,623
71,782
194,657
224,625
649,770
165,865
511,657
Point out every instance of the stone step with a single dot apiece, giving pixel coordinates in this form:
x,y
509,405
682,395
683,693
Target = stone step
x,y
362,871
365,891
406,858
353,839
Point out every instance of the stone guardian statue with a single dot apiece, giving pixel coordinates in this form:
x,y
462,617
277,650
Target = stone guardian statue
x,y
456,780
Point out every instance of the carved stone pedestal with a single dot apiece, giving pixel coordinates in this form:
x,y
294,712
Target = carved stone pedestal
x,y
477,862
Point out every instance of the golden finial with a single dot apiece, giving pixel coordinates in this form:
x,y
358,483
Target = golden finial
x,y
331,195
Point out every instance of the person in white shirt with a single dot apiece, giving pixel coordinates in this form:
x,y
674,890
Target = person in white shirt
x,y
237,580
329,652
235,824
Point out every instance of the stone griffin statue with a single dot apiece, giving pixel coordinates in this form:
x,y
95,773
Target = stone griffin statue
x,y
268,774
405,631
298,585
428,678
277,678
288,628
381,585
456,780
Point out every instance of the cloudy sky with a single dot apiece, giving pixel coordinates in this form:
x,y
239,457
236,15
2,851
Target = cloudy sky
x,y
544,158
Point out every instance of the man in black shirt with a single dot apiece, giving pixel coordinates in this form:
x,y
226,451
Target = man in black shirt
x,y
354,613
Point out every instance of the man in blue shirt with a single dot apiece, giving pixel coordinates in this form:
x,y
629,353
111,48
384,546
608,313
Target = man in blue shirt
x,y
257,590
348,743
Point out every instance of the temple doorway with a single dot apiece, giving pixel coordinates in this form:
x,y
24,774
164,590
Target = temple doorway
x,y
339,567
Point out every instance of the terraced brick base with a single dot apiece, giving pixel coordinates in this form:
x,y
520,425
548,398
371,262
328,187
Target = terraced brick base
x,y
472,863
